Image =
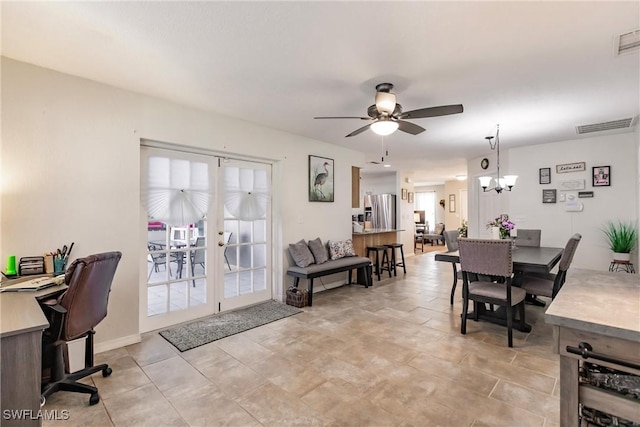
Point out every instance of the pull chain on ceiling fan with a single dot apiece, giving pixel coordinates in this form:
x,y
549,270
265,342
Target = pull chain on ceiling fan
x,y
386,114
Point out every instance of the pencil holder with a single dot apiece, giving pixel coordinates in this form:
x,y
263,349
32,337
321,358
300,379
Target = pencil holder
x,y
58,265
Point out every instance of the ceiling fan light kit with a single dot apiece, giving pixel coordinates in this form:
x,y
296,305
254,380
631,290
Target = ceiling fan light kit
x,y
386,114
505,183
384,127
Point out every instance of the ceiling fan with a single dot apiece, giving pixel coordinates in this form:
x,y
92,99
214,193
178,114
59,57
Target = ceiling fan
x,y
386,114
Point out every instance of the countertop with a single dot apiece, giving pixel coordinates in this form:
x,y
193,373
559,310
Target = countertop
x,y
598,301
376,231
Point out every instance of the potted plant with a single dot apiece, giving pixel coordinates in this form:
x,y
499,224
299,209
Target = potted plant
x,y
464,228
622,237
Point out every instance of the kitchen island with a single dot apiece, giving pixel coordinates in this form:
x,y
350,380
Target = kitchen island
x,y
374,237
596,317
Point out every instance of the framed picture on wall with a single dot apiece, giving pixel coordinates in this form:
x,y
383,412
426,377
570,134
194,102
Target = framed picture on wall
x,y
601,176
545,176
549,196
404,194
410,197
320,179
452,202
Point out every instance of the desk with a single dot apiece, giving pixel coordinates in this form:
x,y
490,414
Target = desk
x,y
21,324
526,259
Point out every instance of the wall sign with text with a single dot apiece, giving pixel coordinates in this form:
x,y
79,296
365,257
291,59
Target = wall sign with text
x,y
571,167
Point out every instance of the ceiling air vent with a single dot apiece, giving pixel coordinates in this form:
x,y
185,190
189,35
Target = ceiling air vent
x,y
612,125
628,42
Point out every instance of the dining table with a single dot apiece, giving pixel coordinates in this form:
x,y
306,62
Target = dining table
x,y
526,259
178,256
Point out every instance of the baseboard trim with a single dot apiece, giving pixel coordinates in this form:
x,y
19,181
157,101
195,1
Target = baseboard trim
x,y
117,343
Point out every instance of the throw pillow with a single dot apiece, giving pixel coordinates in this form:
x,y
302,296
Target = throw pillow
x,y
318,250
301,254
341,249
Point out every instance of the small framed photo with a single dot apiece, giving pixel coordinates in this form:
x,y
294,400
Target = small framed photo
x,y
549,196
404,194
601,176
545,176
410,197
452,202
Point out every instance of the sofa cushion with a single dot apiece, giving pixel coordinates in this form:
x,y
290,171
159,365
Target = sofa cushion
x,y
319,251
341,249
301,254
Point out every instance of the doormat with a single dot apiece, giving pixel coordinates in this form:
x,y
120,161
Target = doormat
x,y
213,328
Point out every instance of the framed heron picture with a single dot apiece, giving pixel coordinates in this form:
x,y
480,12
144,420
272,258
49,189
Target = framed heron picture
x,y
320,179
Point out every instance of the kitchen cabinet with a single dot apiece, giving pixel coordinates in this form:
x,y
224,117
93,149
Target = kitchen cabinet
x,y
355,187
596,316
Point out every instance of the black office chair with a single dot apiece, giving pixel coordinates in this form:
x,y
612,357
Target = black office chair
x,y
73,315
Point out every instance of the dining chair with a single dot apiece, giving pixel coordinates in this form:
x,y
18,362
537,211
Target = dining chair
x,y
489,257
548,285
227,239
198,256
528,237
451,240
158,258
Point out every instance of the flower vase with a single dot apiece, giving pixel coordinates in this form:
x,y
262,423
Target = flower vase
x,y
495,232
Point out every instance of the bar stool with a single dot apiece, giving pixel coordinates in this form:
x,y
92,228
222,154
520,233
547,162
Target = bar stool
x,y
380,264
394,263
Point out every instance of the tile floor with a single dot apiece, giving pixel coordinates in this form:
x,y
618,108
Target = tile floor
x,y
390,355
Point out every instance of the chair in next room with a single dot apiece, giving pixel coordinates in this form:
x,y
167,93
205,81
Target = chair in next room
x,y
451,240
72,316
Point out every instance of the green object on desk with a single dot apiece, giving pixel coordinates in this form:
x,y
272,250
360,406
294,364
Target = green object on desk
x,y
11,265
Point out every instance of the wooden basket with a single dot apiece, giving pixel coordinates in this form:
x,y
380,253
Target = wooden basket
x,y
297,297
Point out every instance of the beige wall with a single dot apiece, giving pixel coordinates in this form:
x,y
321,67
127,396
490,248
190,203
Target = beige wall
x,y
70,172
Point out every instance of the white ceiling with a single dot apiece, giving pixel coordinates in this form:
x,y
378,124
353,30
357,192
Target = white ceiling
x,y
536,68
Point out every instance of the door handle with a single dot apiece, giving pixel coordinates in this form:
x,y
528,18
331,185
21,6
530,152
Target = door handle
x,y
220,243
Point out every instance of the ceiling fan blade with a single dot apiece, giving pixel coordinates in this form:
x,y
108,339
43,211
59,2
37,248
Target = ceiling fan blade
x,y
361,118
359,131
442,110
409,127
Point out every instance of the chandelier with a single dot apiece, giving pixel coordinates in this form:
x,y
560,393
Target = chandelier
x,y
505,183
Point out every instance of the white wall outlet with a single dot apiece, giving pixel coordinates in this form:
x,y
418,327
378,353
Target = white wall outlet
x,y
300,219
562,197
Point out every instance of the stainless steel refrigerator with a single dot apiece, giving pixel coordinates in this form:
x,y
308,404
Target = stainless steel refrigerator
x,y
383,210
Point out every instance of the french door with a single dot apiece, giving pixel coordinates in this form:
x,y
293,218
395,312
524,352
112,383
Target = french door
x,y
244,233
207,235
